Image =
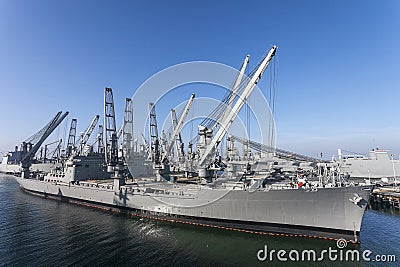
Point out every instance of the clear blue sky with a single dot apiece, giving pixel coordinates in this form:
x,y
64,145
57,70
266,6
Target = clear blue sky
x,y
338,61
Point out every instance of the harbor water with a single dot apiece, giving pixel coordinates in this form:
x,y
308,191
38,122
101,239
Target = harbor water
x,y
41,232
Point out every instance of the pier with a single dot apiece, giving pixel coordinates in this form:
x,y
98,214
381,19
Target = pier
x,y
386,197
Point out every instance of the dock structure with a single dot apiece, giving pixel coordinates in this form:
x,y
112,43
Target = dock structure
x,y
386,197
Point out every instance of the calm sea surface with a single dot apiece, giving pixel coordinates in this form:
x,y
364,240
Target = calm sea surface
x,y
41,232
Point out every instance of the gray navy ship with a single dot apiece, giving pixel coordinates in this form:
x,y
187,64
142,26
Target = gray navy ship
x,y
379,165
10,163
197,186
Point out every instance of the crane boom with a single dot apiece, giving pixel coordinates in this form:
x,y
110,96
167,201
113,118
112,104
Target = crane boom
x,y
120,131
127,127
280,153
87,133
111,147
114,165
44,157
234,90
26,159
230,117
100,142
179,143
71,137
56,152
153,131
127,113
179,125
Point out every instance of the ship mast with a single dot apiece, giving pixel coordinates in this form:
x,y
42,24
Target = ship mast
x,y
100,142
111,141
127,129
71,138
154,141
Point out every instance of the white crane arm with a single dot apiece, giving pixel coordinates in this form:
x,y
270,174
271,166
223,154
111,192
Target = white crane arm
x,y
230,117
88,132
234,90
179,125
120,131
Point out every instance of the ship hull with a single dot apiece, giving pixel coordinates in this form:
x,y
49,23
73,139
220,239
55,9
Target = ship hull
x,y
323,213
